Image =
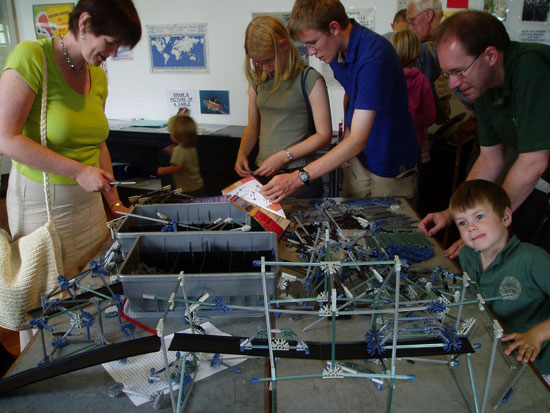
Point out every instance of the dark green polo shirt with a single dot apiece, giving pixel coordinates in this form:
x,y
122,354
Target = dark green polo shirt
x,y
518,114
521,270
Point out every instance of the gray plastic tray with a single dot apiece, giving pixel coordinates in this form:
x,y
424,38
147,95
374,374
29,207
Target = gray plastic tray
x,y
219,263
194,214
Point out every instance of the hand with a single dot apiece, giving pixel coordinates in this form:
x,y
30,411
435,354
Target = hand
x,y
169,149
434,222
241,166
281,186
271,165
527,344
454,250
93,179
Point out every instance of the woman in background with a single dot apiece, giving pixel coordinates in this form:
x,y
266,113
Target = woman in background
x,y
277,108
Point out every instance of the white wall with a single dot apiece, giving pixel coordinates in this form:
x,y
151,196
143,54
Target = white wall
x,y
135,92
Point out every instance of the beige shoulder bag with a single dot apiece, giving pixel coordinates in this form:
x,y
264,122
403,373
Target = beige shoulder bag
x,y
30,265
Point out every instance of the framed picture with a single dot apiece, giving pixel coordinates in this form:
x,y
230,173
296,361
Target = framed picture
x,y
51,20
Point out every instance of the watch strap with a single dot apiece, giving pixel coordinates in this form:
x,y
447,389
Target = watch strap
x,y
304,176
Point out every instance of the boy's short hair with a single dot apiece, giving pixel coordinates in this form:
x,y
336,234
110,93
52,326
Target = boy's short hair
x,y
184,130
316,15
469,194
400,16
407,45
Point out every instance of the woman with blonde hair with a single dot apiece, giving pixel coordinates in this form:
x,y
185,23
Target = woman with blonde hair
x,y
288,107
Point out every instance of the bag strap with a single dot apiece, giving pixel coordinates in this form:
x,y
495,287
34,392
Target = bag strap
x,y
311,123
43,133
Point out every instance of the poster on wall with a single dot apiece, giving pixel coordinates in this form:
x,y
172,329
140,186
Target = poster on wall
x,y
498,8
365,17
183,101
51,20
535,36
283,16
178,48
457,4
402,4
214,102
124,53
536,11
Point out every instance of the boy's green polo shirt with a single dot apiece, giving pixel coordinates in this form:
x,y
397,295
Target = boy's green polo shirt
x,y
517,113
522,271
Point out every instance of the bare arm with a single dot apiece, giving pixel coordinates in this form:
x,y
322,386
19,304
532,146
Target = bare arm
x,y
16,99
349,147
528,344
250,136
320,108
169,170
524,175
112,198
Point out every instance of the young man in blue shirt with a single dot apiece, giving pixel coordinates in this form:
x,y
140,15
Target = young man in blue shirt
x,y
379,138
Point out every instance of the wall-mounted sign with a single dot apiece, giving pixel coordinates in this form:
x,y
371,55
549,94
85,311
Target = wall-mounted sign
x,y
51,20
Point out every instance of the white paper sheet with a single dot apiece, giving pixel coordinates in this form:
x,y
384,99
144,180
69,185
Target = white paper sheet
x,y
134,374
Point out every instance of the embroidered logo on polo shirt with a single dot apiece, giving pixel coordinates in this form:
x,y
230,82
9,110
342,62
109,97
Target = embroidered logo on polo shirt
x,y
510,287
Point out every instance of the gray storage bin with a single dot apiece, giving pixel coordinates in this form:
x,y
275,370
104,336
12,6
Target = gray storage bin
x,y
219,263
199,215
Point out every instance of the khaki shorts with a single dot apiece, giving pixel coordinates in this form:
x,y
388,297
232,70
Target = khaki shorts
x,y
361,183
79,218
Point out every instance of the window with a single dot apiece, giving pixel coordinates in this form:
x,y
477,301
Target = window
x,y
8,38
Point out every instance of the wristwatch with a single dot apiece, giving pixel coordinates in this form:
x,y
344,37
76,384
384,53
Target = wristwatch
x,y
304,176
289,155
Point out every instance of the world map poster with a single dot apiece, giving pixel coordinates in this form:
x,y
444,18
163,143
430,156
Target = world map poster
x,y
179,48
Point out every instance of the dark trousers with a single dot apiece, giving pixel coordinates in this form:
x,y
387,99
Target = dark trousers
x,y
531,221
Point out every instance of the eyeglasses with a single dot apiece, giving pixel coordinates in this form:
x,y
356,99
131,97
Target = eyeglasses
x,y
459,73
267,62
412,20
313,44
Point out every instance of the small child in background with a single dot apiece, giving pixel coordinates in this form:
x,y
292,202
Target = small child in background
x,y
184,159
399,23
421,98
501,265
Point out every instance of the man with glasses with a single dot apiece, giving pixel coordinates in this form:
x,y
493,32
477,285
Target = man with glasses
x,y
510,85
379,139
423,16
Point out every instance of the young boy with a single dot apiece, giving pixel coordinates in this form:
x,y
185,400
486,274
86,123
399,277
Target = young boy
x,y
184,159
399,23
501,265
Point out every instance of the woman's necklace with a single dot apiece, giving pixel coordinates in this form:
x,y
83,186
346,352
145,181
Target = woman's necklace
x,y
68,58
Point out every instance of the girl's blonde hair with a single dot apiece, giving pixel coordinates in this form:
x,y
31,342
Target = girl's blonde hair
x,y
265,35
184,130
407,45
